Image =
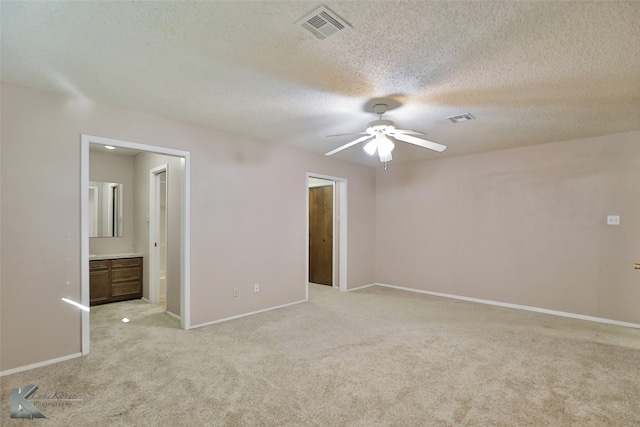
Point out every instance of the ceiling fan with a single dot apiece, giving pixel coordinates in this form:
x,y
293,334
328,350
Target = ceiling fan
x,y
380,130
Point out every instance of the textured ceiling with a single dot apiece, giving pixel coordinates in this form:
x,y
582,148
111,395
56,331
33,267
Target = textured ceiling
x,y
530,72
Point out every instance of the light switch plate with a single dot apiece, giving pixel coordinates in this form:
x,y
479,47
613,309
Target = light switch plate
x,y
613,220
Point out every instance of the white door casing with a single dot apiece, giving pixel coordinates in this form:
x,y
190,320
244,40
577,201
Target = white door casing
x,y
185,226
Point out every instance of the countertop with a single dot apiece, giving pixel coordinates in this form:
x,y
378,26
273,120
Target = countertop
x,y
93,257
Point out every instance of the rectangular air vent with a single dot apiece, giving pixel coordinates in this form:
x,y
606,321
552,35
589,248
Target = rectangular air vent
x,y
461,118
322,23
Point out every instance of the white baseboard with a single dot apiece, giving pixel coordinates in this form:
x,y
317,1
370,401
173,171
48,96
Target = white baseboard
x,y
348,290
363,287
516,306
175,316
39,364
226,319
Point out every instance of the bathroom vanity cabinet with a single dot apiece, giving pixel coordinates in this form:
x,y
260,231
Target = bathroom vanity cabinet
x,y
116,279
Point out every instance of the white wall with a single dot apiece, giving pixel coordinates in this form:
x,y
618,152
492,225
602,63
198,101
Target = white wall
x,y
248,221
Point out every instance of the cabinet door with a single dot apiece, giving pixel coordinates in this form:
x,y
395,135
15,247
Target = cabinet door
x,y
99,286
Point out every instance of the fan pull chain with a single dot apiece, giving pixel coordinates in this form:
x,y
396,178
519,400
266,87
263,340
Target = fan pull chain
x,y
385,165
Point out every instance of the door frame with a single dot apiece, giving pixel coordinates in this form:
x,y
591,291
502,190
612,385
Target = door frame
x,y
185,227
339,232
93,222
154,224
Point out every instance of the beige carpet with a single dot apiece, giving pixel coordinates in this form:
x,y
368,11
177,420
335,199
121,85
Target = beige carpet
x,y
374,357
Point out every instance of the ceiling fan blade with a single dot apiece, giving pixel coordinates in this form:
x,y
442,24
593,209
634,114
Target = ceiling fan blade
x,y
345,134
407,131
420,142
350,144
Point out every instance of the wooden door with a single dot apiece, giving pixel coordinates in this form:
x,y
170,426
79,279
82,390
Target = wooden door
x,y
321,235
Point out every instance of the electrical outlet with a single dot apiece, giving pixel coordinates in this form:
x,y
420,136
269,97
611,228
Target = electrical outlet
x,y
613,220
256,287
235,292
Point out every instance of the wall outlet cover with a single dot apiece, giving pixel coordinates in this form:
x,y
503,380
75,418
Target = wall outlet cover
x,y
613,220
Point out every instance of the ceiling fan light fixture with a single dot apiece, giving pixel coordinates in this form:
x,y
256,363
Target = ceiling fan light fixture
x,y
380,130
381,144
385,158
371,147
385,146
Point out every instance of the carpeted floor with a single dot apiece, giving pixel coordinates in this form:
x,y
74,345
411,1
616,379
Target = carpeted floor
x,y
373,357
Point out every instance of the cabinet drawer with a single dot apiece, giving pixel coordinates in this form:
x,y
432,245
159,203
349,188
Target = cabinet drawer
x,y
125,274
125,262
99,265
120,289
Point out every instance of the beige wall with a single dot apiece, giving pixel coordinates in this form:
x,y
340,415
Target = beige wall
x,y
248,220
524,226
107,167
144,162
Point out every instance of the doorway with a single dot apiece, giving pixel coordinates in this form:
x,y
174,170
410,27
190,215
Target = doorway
x,y
183,170
326,261
158,236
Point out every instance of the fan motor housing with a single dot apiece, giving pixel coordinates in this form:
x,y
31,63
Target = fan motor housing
x,y
380,125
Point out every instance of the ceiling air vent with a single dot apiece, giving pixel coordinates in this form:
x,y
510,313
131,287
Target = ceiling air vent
x,y
322,23
461,118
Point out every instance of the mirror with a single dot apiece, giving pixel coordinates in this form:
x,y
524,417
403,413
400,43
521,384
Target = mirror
x,y
105,209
